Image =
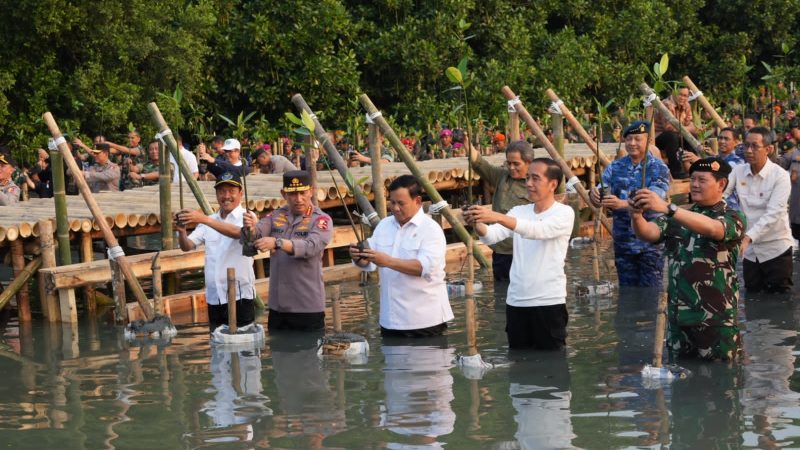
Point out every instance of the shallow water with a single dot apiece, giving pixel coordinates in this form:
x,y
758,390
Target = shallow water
x,y
87,388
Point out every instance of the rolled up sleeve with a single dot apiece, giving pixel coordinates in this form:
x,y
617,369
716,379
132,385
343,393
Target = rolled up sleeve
x,y
432,254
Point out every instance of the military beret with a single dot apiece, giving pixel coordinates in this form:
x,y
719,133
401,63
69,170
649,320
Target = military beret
x,y
638,127
718,167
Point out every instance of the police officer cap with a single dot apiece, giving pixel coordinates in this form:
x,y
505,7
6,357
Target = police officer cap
x,y
638,127
229,178
6,158
718,167
296,181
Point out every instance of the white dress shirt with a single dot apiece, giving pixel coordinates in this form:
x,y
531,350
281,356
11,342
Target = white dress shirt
x,y
764,199
223,252
540,241
190,160
409,302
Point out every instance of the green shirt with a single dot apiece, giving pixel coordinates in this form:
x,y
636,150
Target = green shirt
x,y
508,193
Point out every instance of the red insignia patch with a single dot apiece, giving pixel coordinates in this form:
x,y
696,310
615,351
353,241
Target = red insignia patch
x,y
322,223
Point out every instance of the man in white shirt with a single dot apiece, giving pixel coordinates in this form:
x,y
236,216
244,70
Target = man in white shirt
x,y
187,157
763,189
222,252
409,248
536,311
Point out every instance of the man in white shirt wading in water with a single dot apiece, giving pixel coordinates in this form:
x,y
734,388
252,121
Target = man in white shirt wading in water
x,y
536,311
763,189
409,250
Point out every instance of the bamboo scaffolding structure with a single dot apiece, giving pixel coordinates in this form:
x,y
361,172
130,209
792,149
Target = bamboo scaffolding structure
x,y
704,102
47,296
164,198
59,197
23,297
408,159
537,130
578,127
232,300
377,172
687,136
83,187
20,280
338,162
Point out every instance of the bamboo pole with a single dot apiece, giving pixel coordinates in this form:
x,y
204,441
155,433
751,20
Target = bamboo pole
x,y
537,130
687,136
703,101
377,173
469,290
338,162
165,198
172,145
118,288
336,308
60,199
23,296
232,300
594,146
661,323
557,125
110,239
513,127
408,159
155,267
20,280
47,297
311,167
87,255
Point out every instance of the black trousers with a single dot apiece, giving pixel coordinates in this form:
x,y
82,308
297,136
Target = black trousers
x,y
669,142
245,314
501,266
435,330
537,327
278,320
773,276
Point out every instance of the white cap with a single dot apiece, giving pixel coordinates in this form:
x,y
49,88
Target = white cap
x,y
231,144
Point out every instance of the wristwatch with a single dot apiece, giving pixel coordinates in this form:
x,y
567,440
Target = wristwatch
x,y
672,209
279,244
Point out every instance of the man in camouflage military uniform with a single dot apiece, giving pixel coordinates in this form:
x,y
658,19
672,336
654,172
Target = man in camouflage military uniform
x,y
509,191
296,234
9,191
638,263
702,246
147,174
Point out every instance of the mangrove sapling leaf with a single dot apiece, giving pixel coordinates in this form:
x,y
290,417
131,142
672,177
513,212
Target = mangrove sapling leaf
x,y
293,118
302,130
462,67
454,75
227,120
663,64
308,122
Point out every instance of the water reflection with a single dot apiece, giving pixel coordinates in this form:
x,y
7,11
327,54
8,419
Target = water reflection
x,y
539,386
419,391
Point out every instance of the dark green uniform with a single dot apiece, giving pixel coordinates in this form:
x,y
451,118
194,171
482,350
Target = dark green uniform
x,y
703,288
148,167
508,193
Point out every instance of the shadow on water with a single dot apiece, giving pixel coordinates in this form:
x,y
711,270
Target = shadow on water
x,y
86,388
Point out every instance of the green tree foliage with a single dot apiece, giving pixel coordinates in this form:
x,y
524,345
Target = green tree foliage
x,y
96,64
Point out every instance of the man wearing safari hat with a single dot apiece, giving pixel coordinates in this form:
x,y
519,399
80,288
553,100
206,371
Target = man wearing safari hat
x,y
702,247
104,174
638,263
220,233
9,192
296,234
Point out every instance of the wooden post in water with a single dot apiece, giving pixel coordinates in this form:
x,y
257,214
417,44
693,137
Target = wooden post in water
x,y
336,308
118,289
551,150
60,200
23,297
165,198
594,146
87,255
687,136
469,290
172,145
20,281
661,324
704,102
47,296
158,301
408,159
232,300
377,174
338,162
